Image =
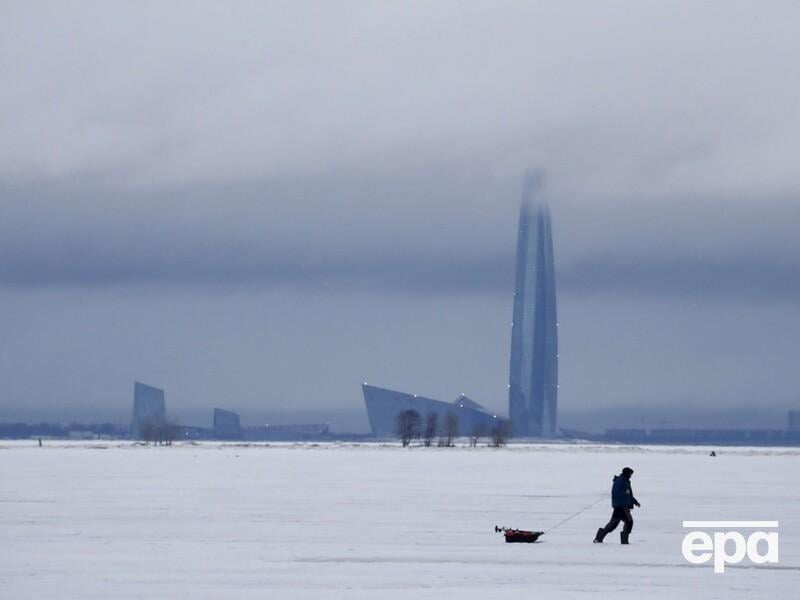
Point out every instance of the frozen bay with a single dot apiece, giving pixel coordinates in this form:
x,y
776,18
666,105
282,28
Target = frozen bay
x,y
117,520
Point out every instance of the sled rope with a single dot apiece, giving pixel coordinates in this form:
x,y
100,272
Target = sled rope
x,y
572,516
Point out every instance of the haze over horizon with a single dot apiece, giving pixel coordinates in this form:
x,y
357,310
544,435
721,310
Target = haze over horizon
x,y
259,206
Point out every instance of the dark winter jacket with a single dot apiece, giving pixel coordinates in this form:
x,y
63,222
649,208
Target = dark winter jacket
x,y
621,493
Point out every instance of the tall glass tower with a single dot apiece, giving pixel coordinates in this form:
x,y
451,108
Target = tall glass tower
x,y
533,377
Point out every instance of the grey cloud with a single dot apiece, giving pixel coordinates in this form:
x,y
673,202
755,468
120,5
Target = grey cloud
x,y
323,235
739,279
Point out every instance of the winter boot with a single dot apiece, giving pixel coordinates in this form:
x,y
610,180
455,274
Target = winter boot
x,y
601,533
623,538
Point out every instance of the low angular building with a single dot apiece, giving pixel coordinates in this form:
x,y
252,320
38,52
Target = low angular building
x,y
149,408
384,405
227,425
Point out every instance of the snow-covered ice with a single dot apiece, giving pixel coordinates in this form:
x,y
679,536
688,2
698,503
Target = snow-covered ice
x,y
96,520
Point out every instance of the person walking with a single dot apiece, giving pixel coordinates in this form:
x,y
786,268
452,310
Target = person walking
x,y
622,501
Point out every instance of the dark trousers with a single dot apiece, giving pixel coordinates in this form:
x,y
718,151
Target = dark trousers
x,y
619,514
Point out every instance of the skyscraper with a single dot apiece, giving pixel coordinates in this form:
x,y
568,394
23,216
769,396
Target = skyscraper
x,y
533,376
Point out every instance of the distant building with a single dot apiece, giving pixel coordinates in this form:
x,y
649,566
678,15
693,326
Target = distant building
x,y
688,436
533,373
81,434
287,433
148,408
227,425
188,432
794,420
384,405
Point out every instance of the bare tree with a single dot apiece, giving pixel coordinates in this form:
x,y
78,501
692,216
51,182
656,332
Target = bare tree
x,y
431,428
408,424
450,430
500,433
169,431
148,430
159,431
478,431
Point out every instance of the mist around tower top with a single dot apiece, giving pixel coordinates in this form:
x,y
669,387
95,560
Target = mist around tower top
x,y
535,180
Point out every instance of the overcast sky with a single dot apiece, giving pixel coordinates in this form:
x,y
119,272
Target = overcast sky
x,y
259,206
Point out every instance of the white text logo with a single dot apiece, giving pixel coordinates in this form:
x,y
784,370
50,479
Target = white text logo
x,y
759,546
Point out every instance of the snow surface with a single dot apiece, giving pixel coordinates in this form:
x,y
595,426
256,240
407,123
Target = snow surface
x,y
117,520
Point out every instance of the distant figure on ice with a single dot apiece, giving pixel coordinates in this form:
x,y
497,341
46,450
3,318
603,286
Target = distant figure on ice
x,y
713,453
623,501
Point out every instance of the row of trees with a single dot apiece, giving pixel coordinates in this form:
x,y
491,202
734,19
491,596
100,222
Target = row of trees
x,y
159,431
410,426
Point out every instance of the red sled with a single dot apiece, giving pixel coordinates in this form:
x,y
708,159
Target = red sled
x,y
519,536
